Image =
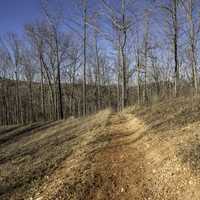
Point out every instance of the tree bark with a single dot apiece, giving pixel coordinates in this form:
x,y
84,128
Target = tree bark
x,y
176,69
124,67
85,56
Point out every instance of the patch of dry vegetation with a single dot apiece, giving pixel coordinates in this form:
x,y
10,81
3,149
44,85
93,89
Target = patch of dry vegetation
x,y
172,114
172,148
28,155
142,153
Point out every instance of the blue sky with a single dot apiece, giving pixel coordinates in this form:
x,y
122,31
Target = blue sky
x,y
15,13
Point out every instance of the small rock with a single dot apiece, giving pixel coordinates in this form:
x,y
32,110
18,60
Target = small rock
x,y
190,182
39,198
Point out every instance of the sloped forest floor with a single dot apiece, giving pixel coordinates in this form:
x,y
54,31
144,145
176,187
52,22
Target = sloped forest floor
x,y
142,153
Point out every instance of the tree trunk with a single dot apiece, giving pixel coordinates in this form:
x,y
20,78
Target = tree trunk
x,y
138,78
98,74
176,49
42,91
85,56
124,67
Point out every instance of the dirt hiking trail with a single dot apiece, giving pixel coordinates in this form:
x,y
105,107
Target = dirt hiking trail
x,y
139,154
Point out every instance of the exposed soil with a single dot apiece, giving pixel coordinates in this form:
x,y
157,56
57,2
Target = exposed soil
x,y
141,154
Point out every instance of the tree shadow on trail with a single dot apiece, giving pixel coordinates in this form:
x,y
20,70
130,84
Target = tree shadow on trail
x,y
16,133
5,130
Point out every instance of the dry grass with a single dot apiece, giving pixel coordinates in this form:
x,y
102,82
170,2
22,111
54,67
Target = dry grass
x,y
28,155
142,153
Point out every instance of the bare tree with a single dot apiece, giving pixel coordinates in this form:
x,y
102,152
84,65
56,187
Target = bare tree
x,y
122,25
146,51
84,54
192,34
15,55
72,70
54,43
29,71
172,12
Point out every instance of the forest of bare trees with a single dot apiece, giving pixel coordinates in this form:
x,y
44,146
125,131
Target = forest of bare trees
x,y
100,55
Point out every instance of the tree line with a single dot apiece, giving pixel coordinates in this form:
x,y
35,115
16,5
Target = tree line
x,y
98,56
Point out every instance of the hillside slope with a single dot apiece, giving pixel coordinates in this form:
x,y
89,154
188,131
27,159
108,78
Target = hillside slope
x,y
141,153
